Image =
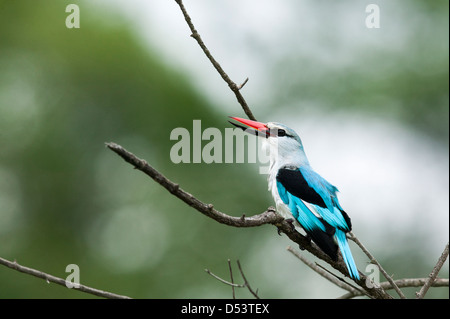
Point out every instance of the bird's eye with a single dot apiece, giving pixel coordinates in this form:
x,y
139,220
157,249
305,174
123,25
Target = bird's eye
x,y
281,132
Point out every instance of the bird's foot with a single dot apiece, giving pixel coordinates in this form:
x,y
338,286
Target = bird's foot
x,y
291,222
308,238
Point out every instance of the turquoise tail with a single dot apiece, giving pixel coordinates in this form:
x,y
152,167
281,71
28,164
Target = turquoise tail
x,y
347,254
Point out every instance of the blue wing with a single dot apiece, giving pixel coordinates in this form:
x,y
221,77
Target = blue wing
x,y
296,186
319,230
312,188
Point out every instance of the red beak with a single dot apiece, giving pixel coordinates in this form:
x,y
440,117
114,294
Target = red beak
x,y
258,126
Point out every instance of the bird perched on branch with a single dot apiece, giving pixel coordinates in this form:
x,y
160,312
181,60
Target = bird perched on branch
x,y
302,194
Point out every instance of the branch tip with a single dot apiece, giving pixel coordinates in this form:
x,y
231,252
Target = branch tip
x,y
242,85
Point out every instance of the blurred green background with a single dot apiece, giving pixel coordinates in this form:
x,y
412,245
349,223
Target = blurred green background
x,y
66,199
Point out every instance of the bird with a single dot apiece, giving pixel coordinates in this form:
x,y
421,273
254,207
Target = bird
x,y
301,195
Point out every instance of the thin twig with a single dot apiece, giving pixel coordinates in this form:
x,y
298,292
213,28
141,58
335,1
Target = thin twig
x,y
320,271
223,280
231,276
246,283
343,281
433,274
49,278
242,84
235,88
373,260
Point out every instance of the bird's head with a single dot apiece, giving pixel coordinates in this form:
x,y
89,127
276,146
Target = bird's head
x,y
284,144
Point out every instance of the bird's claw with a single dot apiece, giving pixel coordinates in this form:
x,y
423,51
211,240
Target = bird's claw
x,y
291,222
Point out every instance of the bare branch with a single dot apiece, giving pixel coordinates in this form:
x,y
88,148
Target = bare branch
x,y
268,217
402,283
235,88
49,278
433,274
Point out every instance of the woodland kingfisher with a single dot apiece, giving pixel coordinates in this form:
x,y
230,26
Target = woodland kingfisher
x,y
302,194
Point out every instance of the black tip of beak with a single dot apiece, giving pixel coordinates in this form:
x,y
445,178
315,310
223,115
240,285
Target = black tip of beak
x,y
238,126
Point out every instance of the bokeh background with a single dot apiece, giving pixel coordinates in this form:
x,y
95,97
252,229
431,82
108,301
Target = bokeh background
x,y
371,106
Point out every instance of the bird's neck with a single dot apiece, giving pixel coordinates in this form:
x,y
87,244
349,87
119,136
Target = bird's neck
x,y
294,160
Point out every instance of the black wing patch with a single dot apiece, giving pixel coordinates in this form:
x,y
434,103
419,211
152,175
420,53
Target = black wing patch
x,y
295,183
325,239
347,220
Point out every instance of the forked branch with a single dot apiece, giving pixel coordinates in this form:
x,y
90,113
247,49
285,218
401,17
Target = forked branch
x,y
246,284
